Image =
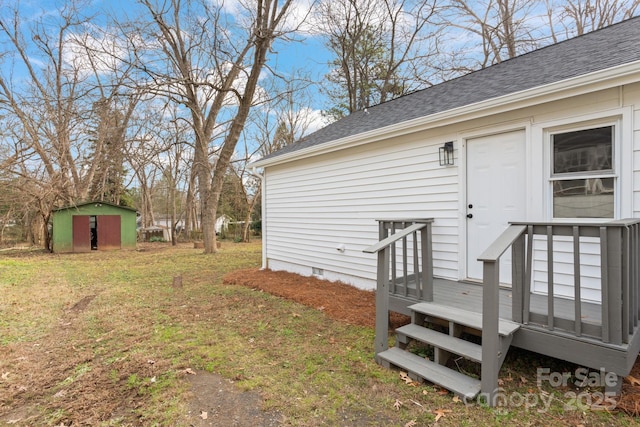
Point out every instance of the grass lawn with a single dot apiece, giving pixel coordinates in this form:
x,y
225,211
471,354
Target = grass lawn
x,y
104,339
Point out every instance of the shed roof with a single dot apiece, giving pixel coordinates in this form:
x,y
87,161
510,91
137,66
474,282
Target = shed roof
x,y
606,48
77,205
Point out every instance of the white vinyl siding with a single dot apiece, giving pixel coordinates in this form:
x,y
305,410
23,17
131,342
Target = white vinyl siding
x,y
636,152
313,206
563,275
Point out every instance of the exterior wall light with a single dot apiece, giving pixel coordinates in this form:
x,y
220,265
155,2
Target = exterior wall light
x,y
446,154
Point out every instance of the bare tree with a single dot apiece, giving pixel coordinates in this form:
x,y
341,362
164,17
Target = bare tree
x,y
382,49
496,29
576,17
48,89
202,59
278,123
150,135
173,163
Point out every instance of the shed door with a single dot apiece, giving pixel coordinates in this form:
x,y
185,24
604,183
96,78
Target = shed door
x,y
108,228
81,233
495,195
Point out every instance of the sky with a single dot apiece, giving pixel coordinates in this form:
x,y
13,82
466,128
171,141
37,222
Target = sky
x,y
308,53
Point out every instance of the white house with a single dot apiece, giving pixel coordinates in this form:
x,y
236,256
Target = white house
x,y
550,135
222,224
538,156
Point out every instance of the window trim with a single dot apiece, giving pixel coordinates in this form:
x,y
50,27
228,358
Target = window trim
x,y
616,124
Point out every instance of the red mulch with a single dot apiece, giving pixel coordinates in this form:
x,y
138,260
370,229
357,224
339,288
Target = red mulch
x,y
339,301
629,401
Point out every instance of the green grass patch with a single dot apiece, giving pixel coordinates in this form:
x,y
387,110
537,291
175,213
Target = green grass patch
x,y
129,343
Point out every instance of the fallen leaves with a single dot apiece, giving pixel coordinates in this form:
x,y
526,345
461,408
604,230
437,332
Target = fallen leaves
x,y
397,405
407,380
405,377
188,371
632,380
441,413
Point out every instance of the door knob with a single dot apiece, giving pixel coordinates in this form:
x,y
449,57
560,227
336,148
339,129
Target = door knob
x,y
469,215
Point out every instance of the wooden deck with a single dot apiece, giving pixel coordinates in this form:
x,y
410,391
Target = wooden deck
x,y
602,335
468,296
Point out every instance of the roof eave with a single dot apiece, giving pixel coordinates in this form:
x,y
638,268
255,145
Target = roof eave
x,y
592,82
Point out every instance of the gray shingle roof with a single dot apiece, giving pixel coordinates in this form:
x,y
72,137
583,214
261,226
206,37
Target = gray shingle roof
x,y
606,48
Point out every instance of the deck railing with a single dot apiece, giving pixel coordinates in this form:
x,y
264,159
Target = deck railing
x,y
619,251
405,268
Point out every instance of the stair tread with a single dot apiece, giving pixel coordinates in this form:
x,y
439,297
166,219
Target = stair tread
x,y
446,342
454,381
462,317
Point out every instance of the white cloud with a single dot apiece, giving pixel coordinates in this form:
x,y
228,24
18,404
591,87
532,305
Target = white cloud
x,y
313,118
90,54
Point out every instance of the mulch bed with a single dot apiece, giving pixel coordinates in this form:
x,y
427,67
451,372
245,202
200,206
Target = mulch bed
x,y
339,301
355,306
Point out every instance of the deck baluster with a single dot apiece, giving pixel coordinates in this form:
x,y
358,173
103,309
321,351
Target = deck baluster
x,y
518,278
405,270
577,297
550,294
527,278
394,272
416,266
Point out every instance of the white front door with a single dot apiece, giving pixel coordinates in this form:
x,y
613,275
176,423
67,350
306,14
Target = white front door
x,y
495,195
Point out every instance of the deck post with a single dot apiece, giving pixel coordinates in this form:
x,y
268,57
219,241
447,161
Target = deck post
x,y
382,302
613,297
490,338
517,279
627,321
427,263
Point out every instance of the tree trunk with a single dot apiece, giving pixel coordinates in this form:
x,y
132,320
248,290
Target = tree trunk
x,y
246,228
209,211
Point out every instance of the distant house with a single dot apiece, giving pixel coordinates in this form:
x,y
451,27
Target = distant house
x,y
523,177
93,226
222,224
155,232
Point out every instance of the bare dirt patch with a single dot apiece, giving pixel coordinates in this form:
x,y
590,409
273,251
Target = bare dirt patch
x,y
83,303
218,402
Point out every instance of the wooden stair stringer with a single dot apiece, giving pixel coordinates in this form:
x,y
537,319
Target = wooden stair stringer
x,y
444,344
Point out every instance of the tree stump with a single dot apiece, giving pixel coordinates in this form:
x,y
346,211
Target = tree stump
x,y
177,281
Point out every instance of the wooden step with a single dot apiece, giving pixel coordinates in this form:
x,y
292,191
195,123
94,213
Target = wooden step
x,y
462,317
446,342
460,384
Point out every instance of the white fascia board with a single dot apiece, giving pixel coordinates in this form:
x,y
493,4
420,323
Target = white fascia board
x,y
599,80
